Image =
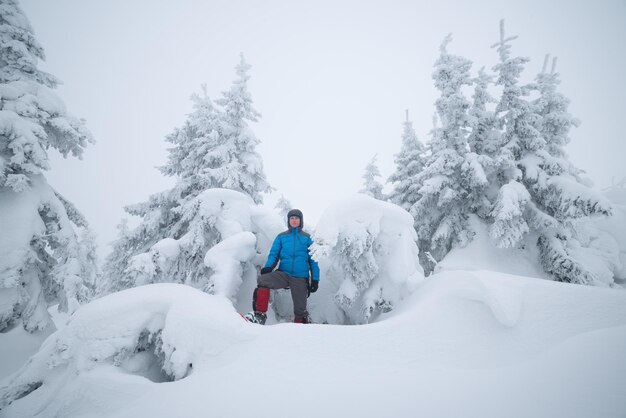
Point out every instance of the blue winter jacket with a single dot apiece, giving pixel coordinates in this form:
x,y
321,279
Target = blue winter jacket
x,y
291,248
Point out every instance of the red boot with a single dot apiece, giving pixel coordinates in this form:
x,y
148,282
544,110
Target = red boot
x,y
260,299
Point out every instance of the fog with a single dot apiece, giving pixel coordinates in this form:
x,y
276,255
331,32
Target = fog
x,y
331,79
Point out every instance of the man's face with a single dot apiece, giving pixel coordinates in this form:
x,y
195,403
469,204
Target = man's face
x,y
294,221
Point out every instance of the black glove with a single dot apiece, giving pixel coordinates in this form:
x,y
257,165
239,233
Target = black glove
x,y
314,285
265,270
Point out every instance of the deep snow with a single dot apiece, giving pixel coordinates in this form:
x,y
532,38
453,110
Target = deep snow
x,y
479,343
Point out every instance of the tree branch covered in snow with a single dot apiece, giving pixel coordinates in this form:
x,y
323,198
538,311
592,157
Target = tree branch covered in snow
x,y
48,252
32,117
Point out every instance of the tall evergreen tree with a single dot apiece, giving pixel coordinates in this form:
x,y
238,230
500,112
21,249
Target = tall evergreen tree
x,y
47,250
241,167
452,176
371,185
409,164
214,149
539,190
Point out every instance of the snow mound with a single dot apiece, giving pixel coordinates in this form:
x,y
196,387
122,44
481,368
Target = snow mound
x,y
368,258
465,343
168,324
500,318
603,239
483,254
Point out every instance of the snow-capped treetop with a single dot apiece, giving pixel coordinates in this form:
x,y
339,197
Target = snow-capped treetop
x,y
371,186
517,116
450,75
503,46
552,105
19,49
215,148
241,165
196,156
32,117
409,163
284,206
237,101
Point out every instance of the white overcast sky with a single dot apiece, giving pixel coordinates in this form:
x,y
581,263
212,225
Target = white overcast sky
x,y
331,78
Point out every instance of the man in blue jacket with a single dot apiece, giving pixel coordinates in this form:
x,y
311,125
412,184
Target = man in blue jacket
x,y
290,251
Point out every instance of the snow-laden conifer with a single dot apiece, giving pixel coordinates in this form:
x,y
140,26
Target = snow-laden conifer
x,y
485,135
212,152
284,206
368,257
409,163
452,183
240,166
371,185
33,118
47,250
540,192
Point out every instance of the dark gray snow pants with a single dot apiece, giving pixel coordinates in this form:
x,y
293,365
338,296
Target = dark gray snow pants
x,y
298,286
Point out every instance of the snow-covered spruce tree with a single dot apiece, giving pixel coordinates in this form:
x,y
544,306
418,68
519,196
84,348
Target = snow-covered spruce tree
x,y
240,166
409,163
195,140
485,134
369,260
213,151
47,250
371,185
284,206
453,181
540,192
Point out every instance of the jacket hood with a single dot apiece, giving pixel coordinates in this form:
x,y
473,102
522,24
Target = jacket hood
x,y
298,213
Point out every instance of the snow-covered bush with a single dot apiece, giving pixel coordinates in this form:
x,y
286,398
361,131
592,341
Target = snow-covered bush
x,y
160,332
602,248
368,259
47,253
216,241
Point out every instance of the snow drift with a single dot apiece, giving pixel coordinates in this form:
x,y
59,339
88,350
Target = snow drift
x,y
164,325
464,344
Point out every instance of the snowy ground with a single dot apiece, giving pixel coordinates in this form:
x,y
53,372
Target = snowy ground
x,y
471,344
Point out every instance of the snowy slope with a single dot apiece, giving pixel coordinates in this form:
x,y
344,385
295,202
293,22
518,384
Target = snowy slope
x,y
466,344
